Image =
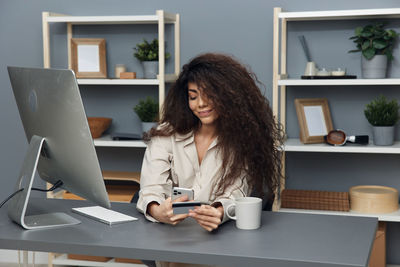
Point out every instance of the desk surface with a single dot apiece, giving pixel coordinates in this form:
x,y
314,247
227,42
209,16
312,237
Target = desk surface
x,y
284,239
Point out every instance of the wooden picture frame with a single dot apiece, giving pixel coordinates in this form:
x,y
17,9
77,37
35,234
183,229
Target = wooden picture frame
x,y
314,119
88,57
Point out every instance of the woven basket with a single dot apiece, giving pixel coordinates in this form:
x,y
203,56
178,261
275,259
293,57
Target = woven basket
x,y
98,125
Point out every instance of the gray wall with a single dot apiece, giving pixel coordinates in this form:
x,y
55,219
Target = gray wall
x,y
241,28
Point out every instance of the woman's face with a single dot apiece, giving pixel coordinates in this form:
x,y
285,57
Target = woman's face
x,y
200,105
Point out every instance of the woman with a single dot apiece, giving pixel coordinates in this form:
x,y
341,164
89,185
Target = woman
x,y
217,136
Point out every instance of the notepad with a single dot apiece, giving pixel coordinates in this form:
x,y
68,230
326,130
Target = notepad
x,y
104,215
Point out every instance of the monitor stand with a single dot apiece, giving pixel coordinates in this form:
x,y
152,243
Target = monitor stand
x,y
18,204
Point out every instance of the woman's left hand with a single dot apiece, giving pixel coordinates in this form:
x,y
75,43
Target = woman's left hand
x,y
207,216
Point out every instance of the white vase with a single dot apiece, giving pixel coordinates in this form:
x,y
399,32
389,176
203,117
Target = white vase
x,y
150,69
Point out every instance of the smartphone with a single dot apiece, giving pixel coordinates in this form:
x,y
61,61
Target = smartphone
x,y
180,191
184,207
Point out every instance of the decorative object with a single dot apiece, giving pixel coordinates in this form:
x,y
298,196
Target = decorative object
x,y
323,72
340,138
147,53
311,69
119,68
316,77
128,75
147,110
98,125
376,45
88,57
314,119
374,199
338,72
382,115
315,200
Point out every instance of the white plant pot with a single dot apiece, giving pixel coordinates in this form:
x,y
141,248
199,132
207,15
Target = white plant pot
x,y
383,135
375,68
150,69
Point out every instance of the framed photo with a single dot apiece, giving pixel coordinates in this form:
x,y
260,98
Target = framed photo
x,y
88,57
314,119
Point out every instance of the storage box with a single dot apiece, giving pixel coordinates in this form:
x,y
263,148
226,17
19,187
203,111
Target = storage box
x,y
127,75
123,260
88,258
374,199
315,200
378,252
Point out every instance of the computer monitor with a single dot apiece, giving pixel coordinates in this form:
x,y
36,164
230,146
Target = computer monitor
x,y
60,144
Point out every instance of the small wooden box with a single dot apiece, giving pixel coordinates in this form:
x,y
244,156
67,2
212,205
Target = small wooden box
x,y
374,199
88,258
123,260
127,75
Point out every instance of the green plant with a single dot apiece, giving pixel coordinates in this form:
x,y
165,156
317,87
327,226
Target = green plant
x,y
147,110
146,51
380,112
374,40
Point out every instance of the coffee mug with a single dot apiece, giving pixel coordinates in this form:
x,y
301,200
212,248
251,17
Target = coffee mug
x,y
247,212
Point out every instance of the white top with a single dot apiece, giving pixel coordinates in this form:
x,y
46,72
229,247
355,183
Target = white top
x,y
173,161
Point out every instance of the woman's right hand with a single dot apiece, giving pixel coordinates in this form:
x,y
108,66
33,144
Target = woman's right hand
x,y
163,212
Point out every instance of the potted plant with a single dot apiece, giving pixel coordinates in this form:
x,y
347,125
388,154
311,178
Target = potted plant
x,y
147,53
147,110
382,115
376,45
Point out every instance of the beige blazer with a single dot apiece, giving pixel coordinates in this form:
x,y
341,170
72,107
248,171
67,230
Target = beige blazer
x,y
173,161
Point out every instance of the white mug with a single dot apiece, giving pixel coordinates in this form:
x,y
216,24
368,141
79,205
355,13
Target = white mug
x,y
247,212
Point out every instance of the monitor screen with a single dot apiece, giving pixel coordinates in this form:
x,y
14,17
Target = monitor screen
x,y
61,146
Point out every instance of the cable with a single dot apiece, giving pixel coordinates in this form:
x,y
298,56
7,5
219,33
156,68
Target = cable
x,y
54,187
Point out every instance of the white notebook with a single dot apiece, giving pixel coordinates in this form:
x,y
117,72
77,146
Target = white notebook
x,y
104,215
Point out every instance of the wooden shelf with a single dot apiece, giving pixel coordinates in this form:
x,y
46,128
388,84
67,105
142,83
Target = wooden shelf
x,y
106,141
63,260
121,176
341,14
317,82
294,145
116,193
121,192
387,217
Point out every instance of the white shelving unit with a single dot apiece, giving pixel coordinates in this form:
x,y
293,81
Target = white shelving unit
x,y
280,82
319,82
387,217
106,141
63,260
294,145
168,78
161,18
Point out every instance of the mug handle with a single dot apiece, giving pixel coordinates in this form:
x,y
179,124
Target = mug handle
x,y
227,211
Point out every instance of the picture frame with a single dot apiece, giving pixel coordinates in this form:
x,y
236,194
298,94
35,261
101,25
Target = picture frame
x,y
314,119
88,57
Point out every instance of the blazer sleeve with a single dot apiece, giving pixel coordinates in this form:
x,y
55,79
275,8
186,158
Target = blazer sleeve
x,y
155,178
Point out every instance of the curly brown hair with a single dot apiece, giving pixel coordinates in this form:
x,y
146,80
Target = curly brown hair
x,y
248,137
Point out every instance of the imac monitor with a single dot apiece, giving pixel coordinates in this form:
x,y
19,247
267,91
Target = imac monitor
x,y
60,144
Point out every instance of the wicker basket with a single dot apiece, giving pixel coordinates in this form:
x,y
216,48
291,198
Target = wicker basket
x,y
98,125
